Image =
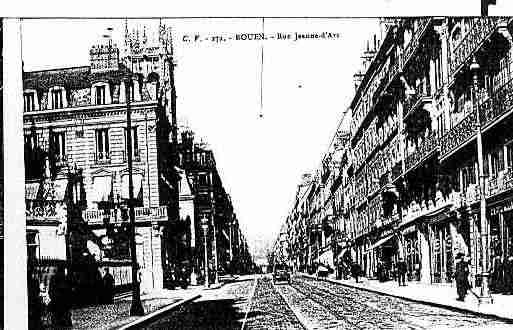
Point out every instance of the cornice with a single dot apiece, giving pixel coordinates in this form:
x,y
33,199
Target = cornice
x,y
84,112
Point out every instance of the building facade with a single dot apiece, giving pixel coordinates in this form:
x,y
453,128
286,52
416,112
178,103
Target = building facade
x,y
77,182
425,173
226,249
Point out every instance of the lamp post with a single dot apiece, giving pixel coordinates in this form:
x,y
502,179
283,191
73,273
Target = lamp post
x,y
136,309
204,226
484,295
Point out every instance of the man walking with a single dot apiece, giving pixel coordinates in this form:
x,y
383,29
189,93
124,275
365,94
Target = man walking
x,y
355,271
461,275
60,298
401,272
108,287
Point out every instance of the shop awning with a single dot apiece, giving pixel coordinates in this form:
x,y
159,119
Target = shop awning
x,y
431,214
379,243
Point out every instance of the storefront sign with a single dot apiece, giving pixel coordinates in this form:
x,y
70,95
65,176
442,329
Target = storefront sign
x,y
503,207
408,230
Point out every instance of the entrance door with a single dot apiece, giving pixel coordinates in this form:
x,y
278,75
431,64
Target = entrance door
x,y
442,254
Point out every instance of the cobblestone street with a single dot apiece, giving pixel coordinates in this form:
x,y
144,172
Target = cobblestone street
x,y
311,304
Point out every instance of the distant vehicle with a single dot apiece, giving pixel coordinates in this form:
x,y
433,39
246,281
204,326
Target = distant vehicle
x,y
281,273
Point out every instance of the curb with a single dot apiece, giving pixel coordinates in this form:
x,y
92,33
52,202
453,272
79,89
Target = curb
x,y
418,300
152,315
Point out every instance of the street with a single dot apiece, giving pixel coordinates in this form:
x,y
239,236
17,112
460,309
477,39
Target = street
x,y
311,304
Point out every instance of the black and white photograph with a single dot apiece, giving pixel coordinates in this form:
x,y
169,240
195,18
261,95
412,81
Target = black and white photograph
x,y
218,172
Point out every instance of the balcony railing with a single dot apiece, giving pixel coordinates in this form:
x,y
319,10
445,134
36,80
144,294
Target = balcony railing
x,y
141,214
459,134
415,210
471,194
415,41
480,30
416,102
136,156
499,103
426,148
103,157
500,183
61,160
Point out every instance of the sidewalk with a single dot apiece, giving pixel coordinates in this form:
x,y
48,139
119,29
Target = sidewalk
x,y
441,295
116,315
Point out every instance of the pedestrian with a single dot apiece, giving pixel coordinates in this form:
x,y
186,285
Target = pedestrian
x,y
381,272
461,275
496,284
108,287
401,272
34,301
355,271
508,276
60,298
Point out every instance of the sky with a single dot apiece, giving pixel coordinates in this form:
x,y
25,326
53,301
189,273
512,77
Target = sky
x,y
263,149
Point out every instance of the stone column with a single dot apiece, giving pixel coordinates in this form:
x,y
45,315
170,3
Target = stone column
x,y
425,262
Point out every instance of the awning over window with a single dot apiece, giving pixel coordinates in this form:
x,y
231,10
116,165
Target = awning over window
x,y
380,242
31,190
102,188
137,181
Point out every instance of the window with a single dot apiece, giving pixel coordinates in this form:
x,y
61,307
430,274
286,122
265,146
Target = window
x,y
32,245
57,99
102,146
497,161
135,145
203,179
58,146
502,75
509,150
469,175
31,141
100,94
28,99
438,70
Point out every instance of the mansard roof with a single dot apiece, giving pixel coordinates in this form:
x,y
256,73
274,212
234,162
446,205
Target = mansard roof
x,y
74,77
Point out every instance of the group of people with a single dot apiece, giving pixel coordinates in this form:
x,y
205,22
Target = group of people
x,y
58,299
398,270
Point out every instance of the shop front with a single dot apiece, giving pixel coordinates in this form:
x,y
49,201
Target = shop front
x,y
385,253
412,253
449,235
501,246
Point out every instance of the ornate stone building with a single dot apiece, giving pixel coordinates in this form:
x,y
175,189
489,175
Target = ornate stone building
x,y
75,125
426,172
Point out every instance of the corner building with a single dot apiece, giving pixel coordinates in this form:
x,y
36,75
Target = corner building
x,y
75,126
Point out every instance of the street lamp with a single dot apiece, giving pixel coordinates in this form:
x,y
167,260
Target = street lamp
x,y
484,295
136,309
204,226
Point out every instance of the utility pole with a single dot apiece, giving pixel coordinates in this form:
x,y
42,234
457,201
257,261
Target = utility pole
x,y
204,226
484,295
214,231
136,309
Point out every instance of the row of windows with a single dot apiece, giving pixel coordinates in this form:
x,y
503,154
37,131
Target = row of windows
x,y
57,95
57,145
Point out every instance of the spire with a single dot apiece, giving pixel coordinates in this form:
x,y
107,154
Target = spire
x,y
127,35
145,38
